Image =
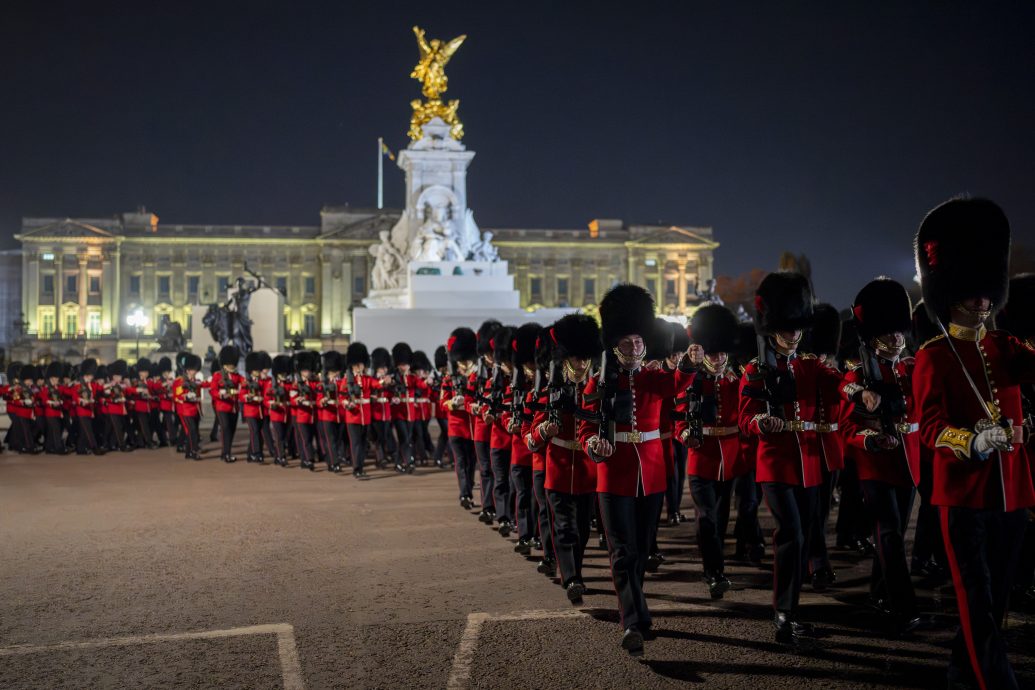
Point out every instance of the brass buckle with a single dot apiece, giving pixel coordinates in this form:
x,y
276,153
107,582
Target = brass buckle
x,y
795,425
633,436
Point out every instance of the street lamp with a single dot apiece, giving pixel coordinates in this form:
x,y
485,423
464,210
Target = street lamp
x,y
137,320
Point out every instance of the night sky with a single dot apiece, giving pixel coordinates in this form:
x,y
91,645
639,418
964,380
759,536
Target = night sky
x,y
824,128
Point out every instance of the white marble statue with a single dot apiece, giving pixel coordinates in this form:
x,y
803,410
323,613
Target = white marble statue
x,y
389,265
483,250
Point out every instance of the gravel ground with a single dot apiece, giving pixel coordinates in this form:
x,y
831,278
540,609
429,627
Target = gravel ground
x,y
377,578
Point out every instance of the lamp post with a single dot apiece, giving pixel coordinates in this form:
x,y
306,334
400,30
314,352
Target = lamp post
x,y
137,320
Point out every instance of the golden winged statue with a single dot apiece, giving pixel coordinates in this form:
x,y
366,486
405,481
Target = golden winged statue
x,y
431,73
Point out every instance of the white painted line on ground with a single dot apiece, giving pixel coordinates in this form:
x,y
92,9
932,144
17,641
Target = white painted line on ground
x,y
290,669
460,674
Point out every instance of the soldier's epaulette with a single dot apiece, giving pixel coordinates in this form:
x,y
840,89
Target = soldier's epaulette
x,y
935,339
807,355
852,365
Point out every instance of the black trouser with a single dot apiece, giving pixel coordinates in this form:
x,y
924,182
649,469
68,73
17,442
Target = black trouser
x,y
86,441
172,432
890,507
404,438
279,433
819,558
227,428
71,431
481,449
630,523
793,507
712,501
927,542
521,478
116,432
359,435
501,491
144,425
384,441
159,426
213,435
571,515
463,454
255,440
191,434
53,442
674,495
330,442
852,522
747,530
982,548
422,437
541,511
442,444
304,441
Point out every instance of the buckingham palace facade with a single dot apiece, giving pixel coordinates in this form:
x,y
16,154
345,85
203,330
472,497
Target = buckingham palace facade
x,y
81,277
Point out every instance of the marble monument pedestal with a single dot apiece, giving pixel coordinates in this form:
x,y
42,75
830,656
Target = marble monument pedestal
x,y
431,304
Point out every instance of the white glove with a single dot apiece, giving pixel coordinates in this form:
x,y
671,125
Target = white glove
x,y
988,440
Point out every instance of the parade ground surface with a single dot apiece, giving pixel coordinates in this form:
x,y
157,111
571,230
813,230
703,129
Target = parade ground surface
x,y
147,570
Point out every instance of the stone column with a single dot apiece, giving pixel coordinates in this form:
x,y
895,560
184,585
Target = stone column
x,y
31,291
84,291
59,289
327,312
681,285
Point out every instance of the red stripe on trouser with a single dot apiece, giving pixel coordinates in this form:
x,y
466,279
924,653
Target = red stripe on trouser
x,y
187,434
961,598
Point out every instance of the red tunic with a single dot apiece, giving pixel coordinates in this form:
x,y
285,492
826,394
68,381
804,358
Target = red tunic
x,y
719,456
252,395
790,457
50,399
404,401
481,431
328,407
225,389
187,399
303,401
568,468
139,397
948,409
276,398
358,410
900,466
636,469
460,424
113,399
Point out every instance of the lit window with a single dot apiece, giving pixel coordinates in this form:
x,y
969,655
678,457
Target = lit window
x,y
48,256
47,324
71,323
93,323
651,262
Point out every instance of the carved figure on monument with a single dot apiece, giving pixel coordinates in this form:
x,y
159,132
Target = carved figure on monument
x,y
170,335
229,323
483,249
431,73
389,264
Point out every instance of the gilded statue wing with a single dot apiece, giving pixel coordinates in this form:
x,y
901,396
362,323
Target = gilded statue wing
x,y
422,43
451,47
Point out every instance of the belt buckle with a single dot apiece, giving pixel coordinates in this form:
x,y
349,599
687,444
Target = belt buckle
x,y
795,425
634,436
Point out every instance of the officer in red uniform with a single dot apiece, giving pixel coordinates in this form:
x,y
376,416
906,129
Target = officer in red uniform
x,y
462,348
571,476
887,442
303,405
481,432
50,397
225,388
84,395
139,396
496,415
163,391
113,406
659,349
277,400
381,407
252,396
967,385
626,441
329,412
750,542
187,399
780,404
407,387
422,444
358,388
706,422
442,453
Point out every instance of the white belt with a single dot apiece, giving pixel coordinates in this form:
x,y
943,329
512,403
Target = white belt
x,y
636,436
423,400
907,427
826,428
799,425
565,443
381,400
407,400
362,401
720,430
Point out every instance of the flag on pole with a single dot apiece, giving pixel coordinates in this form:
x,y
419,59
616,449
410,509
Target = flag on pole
x,y
386,151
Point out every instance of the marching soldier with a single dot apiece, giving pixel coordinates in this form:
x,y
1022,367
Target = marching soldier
x,y
51,398
187,399
166,408
501,439
277,400
967,384
674,496
303,405
706,423
780,404
659,349
139,396
571,476
381,421
482,432
405,418
114,406
462,348
225,388
358,388
422,369
252,397
440,411
328,412
886,442
84,395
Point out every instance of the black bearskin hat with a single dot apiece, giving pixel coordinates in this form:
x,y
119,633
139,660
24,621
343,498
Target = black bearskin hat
x,y
659,340
441,358
745,347
101,373
923,328
29,372
626,309
253,362
144,364
962,251
118,368
402,353
307,360
576,335
88,367
783,302
332,360
213,366
15,368
164,364
525,338
68,371
849,350
283,366
229,356
1018,316
503,345
357,354
825,336
54,370
680,338
191,361
133,374
380,358
715,328
421,361
882,307
485,333
265,361
462,345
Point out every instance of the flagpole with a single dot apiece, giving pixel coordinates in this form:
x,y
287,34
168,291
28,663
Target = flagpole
x,y
380,173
